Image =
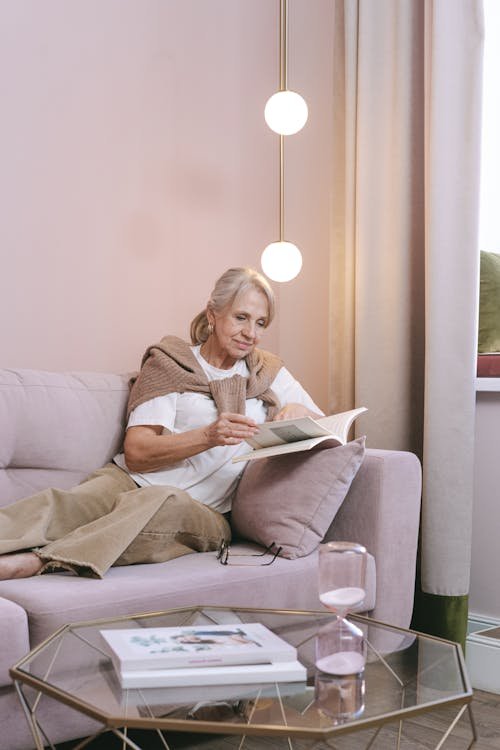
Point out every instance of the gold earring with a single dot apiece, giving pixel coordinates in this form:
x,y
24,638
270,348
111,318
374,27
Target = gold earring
x,y
210,328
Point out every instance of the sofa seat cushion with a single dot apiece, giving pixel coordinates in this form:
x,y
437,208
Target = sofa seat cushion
x,y
14,631
55,599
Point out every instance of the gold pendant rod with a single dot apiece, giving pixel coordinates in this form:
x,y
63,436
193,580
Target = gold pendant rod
x,y
283,86
282,188
283,45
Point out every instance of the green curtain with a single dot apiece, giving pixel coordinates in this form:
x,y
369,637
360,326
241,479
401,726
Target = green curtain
x,y
442,616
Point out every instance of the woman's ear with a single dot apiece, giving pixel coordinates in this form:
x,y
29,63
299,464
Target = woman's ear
x,y
210,316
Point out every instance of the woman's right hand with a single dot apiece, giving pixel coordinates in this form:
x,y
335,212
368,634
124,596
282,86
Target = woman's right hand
x,y
230,429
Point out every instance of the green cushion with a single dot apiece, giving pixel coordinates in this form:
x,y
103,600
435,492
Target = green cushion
x,y
489,303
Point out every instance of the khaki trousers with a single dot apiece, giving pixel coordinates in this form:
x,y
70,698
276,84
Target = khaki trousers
x,y
107,520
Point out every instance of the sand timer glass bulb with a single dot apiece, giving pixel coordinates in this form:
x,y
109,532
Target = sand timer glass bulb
x,y
340,645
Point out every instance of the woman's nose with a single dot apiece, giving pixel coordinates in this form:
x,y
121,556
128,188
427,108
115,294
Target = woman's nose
x,y
249,329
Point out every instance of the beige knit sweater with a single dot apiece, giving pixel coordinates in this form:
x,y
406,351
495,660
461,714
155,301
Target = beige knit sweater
x,y
171,367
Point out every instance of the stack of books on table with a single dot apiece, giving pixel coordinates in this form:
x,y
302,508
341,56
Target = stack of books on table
x,y
235,654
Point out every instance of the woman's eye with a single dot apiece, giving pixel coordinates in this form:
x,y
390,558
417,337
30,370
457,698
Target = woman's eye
x,y
240,317
261,323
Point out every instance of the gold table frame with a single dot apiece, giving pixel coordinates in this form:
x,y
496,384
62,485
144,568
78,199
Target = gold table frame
x,y
320,733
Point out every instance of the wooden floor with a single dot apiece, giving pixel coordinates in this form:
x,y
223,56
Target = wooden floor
x,y
423,733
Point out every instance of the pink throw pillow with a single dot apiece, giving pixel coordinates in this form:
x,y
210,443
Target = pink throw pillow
x,y
292,499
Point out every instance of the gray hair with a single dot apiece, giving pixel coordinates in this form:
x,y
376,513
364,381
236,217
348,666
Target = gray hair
x,y
227,288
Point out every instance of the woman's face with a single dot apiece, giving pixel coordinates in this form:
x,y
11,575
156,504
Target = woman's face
x,y
238,329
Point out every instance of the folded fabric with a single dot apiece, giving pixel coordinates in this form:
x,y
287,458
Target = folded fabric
x,y
292,499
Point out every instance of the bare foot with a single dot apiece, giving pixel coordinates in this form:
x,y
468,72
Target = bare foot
x,y
20,565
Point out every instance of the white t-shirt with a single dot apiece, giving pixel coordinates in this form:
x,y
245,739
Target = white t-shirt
x,y
210,476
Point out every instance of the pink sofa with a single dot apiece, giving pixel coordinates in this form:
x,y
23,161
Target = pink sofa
x,y
58,427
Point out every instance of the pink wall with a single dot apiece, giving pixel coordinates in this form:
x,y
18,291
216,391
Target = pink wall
x,y
136,167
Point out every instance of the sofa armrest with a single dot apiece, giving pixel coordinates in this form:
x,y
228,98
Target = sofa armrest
x,y
382,512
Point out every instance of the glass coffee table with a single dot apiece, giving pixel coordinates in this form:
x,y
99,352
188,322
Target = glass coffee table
x,y
406,674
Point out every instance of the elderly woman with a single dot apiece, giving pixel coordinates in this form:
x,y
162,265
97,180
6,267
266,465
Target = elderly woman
x,y
189,412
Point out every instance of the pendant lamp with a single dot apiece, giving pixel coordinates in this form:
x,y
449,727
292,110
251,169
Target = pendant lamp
x,y
285,113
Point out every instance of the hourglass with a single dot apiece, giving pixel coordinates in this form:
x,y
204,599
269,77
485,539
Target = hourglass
x,y
340,645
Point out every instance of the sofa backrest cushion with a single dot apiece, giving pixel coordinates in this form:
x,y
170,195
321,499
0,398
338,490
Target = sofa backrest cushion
x,y
57,427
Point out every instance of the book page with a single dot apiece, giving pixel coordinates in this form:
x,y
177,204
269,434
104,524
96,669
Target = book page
x,y
287,431
339,424
303,433
277,450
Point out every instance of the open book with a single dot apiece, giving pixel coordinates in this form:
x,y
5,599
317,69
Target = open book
x,y
301,434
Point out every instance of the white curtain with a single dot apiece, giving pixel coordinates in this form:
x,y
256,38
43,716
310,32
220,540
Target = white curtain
x,y
404,268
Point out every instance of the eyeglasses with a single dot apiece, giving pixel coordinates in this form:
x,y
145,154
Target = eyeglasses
x,y
226,558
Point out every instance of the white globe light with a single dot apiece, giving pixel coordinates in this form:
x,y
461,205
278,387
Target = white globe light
x,y
281,261
286,112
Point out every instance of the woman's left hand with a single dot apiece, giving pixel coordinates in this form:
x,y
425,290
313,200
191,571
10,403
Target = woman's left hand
x,y
292,411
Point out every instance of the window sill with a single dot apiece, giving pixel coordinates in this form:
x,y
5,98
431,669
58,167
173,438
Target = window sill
x,y
487,384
